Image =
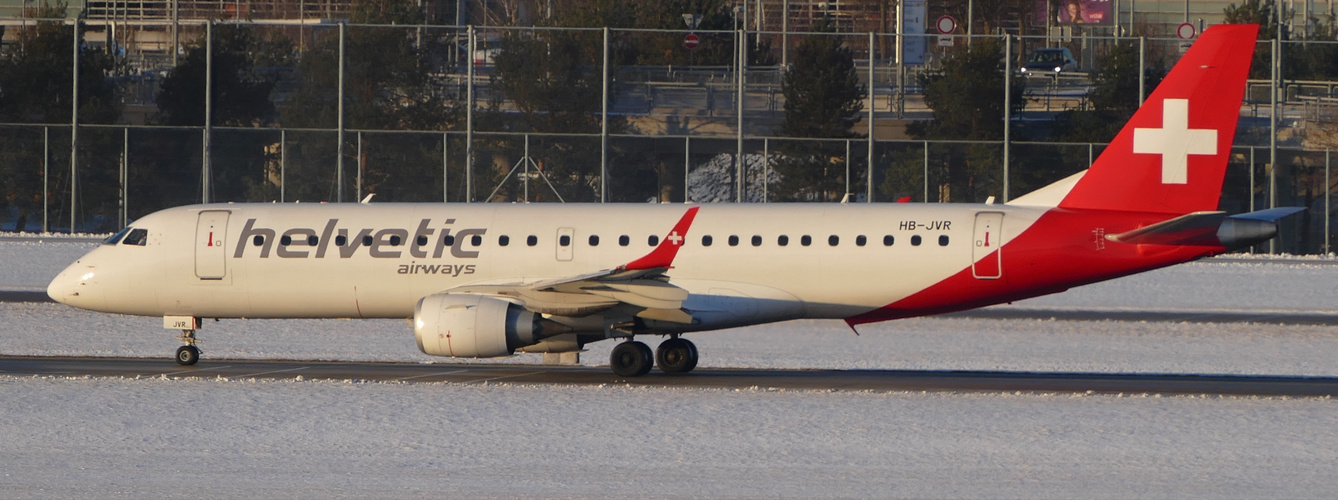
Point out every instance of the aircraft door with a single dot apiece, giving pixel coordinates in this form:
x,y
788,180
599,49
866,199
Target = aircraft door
x,y
566,239
210,233
986,258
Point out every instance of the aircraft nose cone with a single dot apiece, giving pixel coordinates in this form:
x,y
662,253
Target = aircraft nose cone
x,y
70,284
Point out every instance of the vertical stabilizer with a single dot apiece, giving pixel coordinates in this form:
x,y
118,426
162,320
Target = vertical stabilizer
x,y
1171,156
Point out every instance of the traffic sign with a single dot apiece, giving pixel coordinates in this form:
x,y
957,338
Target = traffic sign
x,y
946,25
691,41
692,20
1185,31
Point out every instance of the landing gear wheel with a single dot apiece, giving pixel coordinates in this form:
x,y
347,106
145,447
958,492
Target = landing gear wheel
x,y
676,355
187,355
631,359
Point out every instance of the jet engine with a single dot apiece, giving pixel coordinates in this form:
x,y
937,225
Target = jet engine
x,y
476,326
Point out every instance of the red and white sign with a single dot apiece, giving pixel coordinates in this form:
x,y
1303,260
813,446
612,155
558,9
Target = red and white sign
x,y
691,41
946,24
1185,31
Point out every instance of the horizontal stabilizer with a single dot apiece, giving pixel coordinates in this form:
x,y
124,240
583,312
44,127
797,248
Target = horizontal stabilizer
x,y
1210,229
1270,215
1198,228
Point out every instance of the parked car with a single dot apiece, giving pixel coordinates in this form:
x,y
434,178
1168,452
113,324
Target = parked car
x,y
1050,60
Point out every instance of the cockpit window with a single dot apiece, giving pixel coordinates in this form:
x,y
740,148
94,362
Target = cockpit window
x,y
116,238
136,237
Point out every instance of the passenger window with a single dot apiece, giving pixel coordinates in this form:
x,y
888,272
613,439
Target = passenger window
x,y
653,240
564,240
706,241
286,240
421,240
594,240
806,240
915,240
137,237
503,240
116,238
757,241
312,240
532,240
476,240
449,240
395,240
782,240
888,240
733,241
260,240
366,241
860,240
833,240
340,240
943,240
624,241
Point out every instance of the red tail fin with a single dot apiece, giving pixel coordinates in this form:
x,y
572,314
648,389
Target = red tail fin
x,y
1172,155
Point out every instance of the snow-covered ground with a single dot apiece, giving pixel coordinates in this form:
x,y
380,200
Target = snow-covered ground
x,y
116,438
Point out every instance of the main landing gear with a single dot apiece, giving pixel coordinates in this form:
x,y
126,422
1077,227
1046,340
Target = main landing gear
x,y
188,354
633,359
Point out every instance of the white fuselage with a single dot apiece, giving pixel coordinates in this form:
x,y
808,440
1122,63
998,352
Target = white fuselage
x,y
204,260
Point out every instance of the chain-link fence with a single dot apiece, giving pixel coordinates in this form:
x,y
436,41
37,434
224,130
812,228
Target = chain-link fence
x,y
335,112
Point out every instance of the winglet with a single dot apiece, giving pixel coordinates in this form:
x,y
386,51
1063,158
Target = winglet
x,y
663,254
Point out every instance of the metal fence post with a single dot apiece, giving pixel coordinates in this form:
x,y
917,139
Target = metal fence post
x,y
843,195
926,165
687,166
446,177
74,125
741,56
283,165
358,178
206,172
125,177
1008,109
1251,178
46,178
766,169
1327,207
604,125
469,117
339,135
1142,65
1273,137
868,197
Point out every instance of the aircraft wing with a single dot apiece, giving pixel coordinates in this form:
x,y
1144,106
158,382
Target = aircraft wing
x,y
640,283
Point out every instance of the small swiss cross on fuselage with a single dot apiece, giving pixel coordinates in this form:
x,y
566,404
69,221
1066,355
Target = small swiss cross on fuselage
x,y
675,238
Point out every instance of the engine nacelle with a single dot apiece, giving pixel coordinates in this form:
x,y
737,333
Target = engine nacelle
x,y
473,326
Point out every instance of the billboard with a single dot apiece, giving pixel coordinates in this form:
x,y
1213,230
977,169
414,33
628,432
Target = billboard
x,y
913,41
1075,12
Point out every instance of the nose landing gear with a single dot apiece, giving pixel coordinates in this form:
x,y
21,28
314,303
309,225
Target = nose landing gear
x,y
188,354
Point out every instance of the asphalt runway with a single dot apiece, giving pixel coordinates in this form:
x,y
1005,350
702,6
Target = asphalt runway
x,y
841,380
1263,317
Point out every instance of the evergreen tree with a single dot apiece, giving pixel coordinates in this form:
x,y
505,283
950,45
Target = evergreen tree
x,y
966,96
1113,97
390,83
823,99
35,87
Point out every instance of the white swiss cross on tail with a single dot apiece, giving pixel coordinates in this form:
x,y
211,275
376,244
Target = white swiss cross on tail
x,y
1175,141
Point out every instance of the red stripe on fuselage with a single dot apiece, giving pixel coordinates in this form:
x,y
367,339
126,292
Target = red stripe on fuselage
x,y
1063,249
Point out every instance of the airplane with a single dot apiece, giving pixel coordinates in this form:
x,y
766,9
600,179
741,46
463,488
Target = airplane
x,y
490,280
